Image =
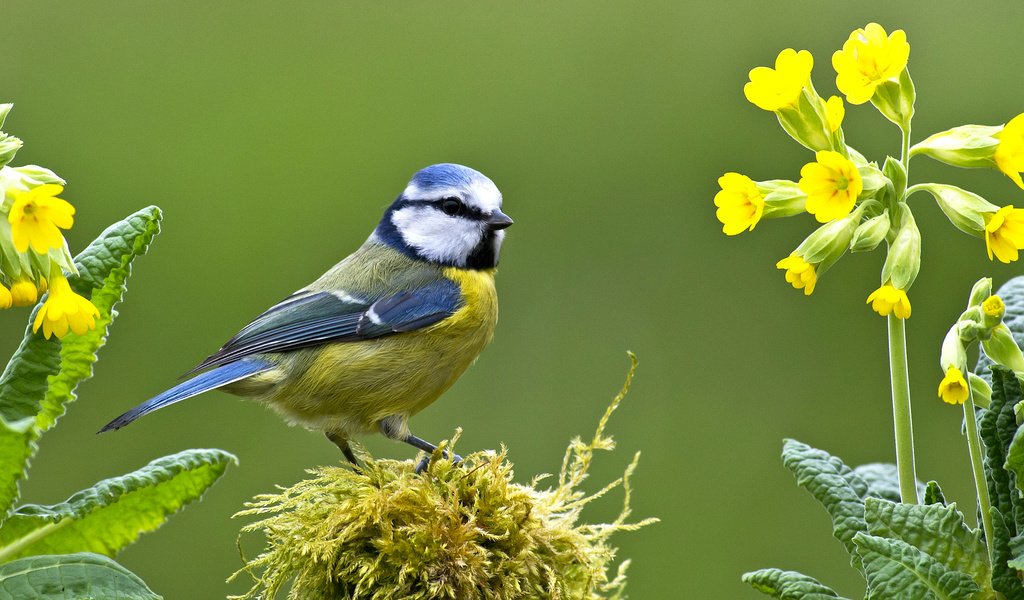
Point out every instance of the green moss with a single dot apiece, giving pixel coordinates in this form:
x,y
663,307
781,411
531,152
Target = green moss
x,y
455,532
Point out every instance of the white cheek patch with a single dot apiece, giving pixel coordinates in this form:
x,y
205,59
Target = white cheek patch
x,y
437,236
482,194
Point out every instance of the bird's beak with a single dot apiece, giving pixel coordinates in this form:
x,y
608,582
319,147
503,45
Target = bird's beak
x,y
499,220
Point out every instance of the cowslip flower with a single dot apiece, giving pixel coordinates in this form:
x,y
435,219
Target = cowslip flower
x,y
799,273
868,59
36,216
5,297
1009,155
740,204
834,113
832,185
953,387
1004,233
64,310
778,88
24,293
993,307
889,299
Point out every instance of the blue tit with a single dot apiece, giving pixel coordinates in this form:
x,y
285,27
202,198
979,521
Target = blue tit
x,y
383,333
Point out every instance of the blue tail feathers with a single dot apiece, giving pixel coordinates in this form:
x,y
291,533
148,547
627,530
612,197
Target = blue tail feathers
x,y
203,382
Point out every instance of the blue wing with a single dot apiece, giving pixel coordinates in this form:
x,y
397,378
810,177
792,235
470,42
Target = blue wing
x,y
314,318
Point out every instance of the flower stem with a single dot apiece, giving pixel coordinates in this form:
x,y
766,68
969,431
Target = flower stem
x,y
974,445
901,411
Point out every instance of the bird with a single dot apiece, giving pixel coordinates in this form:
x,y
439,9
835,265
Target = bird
x,y
383,333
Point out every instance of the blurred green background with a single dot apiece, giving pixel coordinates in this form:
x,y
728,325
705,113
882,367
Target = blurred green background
x,y
274,135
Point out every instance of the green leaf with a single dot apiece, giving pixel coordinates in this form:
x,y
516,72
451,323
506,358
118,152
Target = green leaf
x,y
789,585
1004,576
997,427
70,577
834,485
113,513
104,267
42,375
933,494
883,481
895,569
936,530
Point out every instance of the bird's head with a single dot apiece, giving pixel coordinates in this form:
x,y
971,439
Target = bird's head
x,y
448,214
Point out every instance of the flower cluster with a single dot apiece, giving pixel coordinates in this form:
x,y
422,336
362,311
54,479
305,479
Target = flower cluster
x,y
982,323
859,203
34,256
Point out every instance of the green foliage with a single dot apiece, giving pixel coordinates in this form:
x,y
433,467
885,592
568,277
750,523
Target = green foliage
x,y
895,569
113,513
457,531
71,538
68,577
789,585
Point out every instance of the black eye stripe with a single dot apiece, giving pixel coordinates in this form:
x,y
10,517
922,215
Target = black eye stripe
x,y
448,207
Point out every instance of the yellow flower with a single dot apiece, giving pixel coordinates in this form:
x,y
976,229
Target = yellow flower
x,y
953,388
775,89
5,297
24,293
832,185
834,112
799,273
1004,233
740,204
65,309
1009,154
993,307
36,215
889,299
869,59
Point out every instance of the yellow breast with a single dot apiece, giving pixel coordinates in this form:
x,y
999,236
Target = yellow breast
x,y
352,386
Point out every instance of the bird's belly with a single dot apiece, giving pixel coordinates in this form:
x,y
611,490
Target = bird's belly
x,y
350,387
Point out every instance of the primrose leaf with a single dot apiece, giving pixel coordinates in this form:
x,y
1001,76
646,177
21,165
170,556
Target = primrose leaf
x,y
883,481
834,485
42,375
104,267
895,569
113,513
933,494
1004,447
70,577
1004,576
936,530
789,585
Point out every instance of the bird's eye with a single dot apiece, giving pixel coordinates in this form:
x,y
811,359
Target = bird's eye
x,y
452,206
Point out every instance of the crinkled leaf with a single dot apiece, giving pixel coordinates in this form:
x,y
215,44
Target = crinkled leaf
x,y
113,513
895,569
789,585
883,481
834,485
104,267
933,494
936,530
42,375
997,427
1004,575
70,577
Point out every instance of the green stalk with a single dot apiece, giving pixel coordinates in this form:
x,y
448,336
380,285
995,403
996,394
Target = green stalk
x,y
901,411
974,445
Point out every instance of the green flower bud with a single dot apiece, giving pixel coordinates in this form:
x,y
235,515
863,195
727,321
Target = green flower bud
x,y
1018,410
964,209
782,198
897,175
34,175
904,259
1002,349
9,146
870,233
872,179
981,391
980,292
895,100
5,109
829,242
969,146
954,352
806,122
